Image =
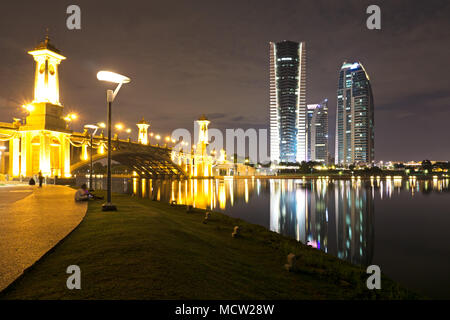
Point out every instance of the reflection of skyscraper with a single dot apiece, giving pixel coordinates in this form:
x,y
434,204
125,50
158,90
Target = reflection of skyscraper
x,y
317,131
287,209
288,102
334,217
354,116
354,219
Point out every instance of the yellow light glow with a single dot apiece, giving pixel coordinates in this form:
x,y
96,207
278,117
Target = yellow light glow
x,y
101,149
157,137
119,126
28,107
128,130
102,125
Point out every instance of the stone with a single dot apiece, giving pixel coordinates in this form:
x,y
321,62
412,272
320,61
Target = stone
x,y
207,214
235,233
291,259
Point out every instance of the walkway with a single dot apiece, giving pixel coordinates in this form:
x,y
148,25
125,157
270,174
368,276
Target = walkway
x,y
32,221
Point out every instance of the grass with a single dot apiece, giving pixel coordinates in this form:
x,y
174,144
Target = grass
x,y
151,250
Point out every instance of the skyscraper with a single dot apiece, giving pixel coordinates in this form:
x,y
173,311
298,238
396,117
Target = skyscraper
x,y
288,102
317,131
354,116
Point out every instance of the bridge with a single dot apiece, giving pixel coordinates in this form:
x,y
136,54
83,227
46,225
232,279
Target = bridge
x,y
148,161
44,143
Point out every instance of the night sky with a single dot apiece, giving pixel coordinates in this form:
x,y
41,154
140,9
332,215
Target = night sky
x,y
186,58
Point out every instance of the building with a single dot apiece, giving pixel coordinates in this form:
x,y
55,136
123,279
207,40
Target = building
x,y
354,116
42,142
288,138
317,134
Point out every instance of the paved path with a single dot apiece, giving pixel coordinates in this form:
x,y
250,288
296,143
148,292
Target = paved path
x,y
32,221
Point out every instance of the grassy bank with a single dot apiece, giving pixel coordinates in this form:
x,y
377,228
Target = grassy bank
x,y
150,250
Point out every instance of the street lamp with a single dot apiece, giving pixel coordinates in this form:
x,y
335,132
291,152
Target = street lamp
x,y
95,128
110,95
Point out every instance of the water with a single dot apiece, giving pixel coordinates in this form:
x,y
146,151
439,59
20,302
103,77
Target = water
x,y
399,224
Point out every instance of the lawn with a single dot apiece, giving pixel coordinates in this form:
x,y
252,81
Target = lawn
x,y
151,250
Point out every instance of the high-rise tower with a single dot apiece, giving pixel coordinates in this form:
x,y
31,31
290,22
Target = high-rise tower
x,y
317,137
354,116
288,102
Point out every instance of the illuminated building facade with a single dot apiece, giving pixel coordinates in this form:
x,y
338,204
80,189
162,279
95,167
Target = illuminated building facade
x,y
354,116
288,136
317,136
42,143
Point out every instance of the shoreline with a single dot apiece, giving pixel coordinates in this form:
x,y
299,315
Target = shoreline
x,y
150,244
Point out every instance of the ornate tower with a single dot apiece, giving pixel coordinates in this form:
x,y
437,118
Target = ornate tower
x,y
46,83
202,142
43,143
46,109
143,131
202,161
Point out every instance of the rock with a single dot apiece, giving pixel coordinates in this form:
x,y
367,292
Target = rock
x,y
207,214
291,259
235,233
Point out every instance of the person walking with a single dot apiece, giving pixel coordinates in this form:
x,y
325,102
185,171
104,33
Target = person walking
x,y
41,179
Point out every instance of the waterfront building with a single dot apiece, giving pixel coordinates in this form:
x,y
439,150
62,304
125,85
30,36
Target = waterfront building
x,y
288,136
354,116
42,142
317,132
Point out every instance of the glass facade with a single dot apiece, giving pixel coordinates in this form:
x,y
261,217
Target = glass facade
x,y
317,131
288,102
354,116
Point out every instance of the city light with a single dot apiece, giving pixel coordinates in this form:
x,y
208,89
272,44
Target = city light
x,y
112,77
119,126
70,117
28,107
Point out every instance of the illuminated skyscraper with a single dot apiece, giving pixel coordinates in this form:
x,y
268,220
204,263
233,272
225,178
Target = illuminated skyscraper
x,y
354,116
288,102
317,128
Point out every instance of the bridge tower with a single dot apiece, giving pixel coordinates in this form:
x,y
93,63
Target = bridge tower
x,y
143,131
42,142
202,161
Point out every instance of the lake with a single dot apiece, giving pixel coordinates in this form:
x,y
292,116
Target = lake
x,y
401,225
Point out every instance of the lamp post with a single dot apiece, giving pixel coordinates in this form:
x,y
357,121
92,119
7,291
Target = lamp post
x,y
110,95
95,128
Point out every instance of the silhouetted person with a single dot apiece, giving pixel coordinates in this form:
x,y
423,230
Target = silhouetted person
x,y
83,194
41,179
31,182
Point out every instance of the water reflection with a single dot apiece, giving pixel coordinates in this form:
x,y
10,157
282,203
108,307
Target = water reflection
x,y
336,216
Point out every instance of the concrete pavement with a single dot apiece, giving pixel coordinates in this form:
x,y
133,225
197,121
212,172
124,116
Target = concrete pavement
x,y
32,221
